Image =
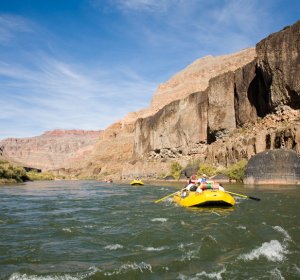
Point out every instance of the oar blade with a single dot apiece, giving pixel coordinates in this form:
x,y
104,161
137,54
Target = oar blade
x,y
254,198
244,196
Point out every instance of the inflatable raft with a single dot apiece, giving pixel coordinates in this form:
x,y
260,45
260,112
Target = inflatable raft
x,y
137,183
205,198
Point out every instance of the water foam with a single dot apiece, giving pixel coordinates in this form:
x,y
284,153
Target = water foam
x,y
272,250
200,275
142,267
217,214
89,226
159,220
19,276
212,275
284,232
155,248
276,274
81,276
241,227
190,254
67,229
113,247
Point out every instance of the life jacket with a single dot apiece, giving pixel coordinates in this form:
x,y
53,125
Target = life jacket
x,y
208,185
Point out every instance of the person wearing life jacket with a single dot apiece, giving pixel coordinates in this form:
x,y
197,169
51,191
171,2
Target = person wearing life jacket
x,y
202,179
191,187
209,185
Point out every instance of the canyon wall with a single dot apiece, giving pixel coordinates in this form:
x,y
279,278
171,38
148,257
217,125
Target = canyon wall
x,y
51,150
241,113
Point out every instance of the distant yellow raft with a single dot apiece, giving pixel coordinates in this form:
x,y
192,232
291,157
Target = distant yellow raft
x,y
137,183
205,198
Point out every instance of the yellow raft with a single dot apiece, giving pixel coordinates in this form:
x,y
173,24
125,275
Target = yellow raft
x,y
137,183
205,198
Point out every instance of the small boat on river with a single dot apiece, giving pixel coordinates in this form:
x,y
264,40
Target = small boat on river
x,y
137,182
204,198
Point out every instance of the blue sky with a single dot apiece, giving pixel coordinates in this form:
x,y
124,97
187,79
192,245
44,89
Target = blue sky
x,y
84,64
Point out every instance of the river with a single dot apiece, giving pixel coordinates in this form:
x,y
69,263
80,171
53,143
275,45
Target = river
x,y
93,230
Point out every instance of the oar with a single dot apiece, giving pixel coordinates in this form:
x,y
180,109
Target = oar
x,y
245,196
161,199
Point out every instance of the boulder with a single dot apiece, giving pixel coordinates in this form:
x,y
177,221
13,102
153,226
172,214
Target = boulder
x,y
281,166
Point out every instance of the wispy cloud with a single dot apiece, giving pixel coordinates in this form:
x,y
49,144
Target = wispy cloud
x,y
11,26
57,94
198,26
144,5
97,68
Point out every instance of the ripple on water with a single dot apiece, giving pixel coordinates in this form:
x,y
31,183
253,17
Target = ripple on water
x,y
133,266
284,232
113,247
61,276
273,251
59,231
162,220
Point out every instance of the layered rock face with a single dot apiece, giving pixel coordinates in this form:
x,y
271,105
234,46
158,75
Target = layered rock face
x,y
196,76
217,116
273,167
192,79
51,150
275,131
279,62
222,124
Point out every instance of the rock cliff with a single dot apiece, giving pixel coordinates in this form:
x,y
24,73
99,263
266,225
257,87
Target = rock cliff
x,y
193,78
239,114
51,150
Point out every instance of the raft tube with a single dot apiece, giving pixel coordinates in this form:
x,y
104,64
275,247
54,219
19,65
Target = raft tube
x,y
205,198
137,183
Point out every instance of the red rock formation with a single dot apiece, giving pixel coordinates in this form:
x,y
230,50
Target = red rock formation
x,y
51,150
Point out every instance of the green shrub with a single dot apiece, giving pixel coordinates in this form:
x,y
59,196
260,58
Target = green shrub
x,y
13,173
176,169
205,168
236,171
40,176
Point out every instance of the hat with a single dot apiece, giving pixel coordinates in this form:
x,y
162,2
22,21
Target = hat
x,y
204,175
193,176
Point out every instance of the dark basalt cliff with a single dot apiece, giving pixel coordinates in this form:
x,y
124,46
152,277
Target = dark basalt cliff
x,y
240,114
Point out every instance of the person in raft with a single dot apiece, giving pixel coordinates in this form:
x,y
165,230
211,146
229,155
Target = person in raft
x,y
204,184
202,179
191,186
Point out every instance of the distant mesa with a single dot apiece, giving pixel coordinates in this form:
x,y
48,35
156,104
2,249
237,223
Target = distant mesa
x,y
62,132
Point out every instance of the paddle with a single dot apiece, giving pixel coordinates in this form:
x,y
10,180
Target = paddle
x,y
161,199
245,196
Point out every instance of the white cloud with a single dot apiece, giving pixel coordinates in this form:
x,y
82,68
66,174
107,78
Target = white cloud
x,y
44,84
143,5
11,26
58,94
